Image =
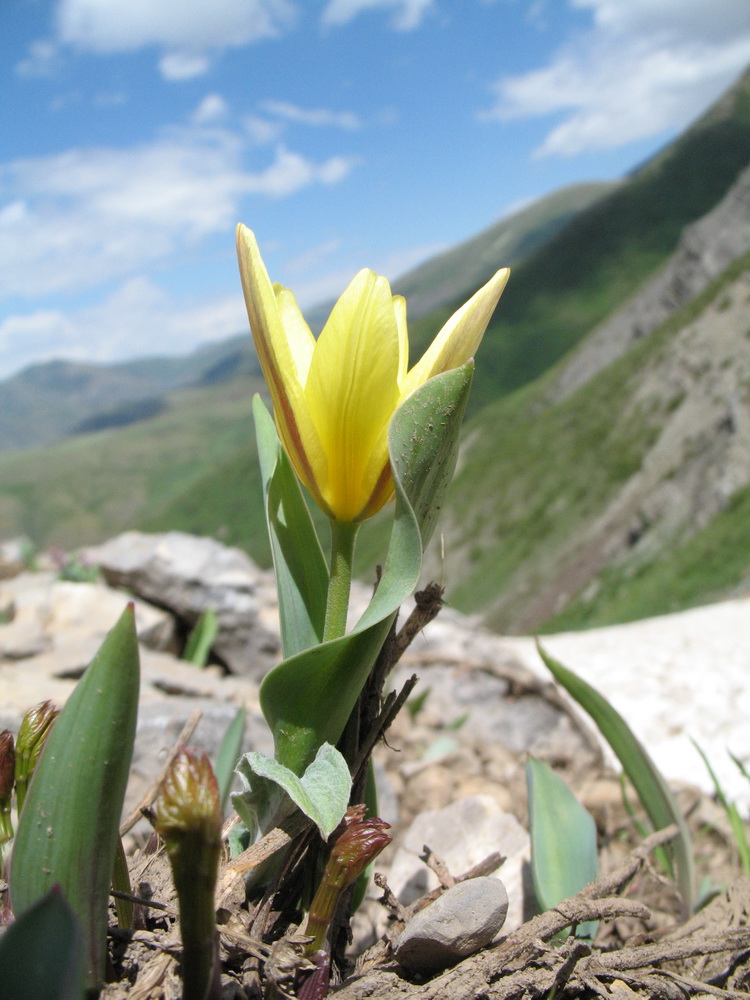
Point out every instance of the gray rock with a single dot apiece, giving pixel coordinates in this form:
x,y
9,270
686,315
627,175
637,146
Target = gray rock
x,y
188,574
462,920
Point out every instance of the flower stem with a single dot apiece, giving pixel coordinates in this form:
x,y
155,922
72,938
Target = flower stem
x,y
343,537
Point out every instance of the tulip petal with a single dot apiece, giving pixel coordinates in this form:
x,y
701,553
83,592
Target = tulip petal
x,y
399,307
461,335
298,334
352,389
282,367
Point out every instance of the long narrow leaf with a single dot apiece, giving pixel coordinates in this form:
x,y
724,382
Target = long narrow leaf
x,y
644,775
732,813
229,753
68,829
298,560
563,840
201,639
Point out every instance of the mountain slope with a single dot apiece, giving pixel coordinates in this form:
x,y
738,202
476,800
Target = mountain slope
x,y
607,251
557,509
457,273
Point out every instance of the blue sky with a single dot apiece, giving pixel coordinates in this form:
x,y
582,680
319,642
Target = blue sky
x,y
134,134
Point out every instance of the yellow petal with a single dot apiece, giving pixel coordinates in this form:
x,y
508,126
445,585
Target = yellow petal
x,y
352,389
399,307
299,336
461,335
282,369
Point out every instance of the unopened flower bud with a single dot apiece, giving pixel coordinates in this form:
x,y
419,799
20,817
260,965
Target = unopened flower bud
x,y
7,779
359,842
7,765
32,735
188,819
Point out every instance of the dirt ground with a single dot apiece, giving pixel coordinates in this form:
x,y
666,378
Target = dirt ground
x,y
644,947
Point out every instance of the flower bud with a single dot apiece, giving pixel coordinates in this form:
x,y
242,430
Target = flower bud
x,y
7,765
188,819
7,779
32,735
359,842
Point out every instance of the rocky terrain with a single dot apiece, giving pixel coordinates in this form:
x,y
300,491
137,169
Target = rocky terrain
x,y
451,775
487,701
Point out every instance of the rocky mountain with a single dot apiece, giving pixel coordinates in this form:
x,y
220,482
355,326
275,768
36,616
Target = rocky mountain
x,y
705,250
620,481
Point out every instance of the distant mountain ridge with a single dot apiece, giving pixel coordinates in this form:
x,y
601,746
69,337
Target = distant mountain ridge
x,y
48,401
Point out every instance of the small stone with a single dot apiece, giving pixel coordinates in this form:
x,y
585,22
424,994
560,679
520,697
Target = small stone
x,y
462,920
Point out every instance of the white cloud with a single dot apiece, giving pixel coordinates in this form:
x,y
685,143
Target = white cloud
x,y
212,109
644,67
43,60
139,317
260,130
311,116
72,220
290,172
178,66
407,14
106,26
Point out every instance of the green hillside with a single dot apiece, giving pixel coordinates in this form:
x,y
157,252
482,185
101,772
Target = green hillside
x,y
91,486
599,259
454,275
46,402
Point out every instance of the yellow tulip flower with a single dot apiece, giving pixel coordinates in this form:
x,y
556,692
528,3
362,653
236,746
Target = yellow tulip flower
x,y
334,397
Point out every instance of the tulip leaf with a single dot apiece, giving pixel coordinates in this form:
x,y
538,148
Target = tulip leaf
x,y
229,753
647,780
308,698
563,840
42,955
68,828
298,560
322,793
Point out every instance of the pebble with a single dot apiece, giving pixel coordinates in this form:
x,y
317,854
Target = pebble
x,y
459,922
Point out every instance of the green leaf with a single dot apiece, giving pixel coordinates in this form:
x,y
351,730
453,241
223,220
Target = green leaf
x,y
308,698
322,793
563,840
732,813
229,754
201,639
121,883
68,829
42,954
644,775
298,560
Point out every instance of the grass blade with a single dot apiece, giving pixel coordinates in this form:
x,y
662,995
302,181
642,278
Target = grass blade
x,y
229,753
730,809
645,777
